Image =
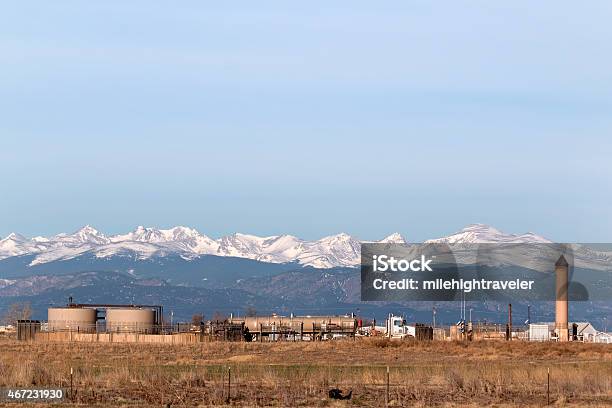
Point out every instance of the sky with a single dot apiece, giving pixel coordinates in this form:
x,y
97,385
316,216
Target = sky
x,y
308,118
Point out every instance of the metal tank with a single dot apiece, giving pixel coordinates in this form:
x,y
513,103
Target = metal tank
x,y
297,323
130,320
71,318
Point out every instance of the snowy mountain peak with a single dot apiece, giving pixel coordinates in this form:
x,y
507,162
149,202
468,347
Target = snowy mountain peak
x,y
481,228
141,234
85,235
395,238
88,229
341,237
249,237
15,244
180,233
89,232
184,230
482,233
13,236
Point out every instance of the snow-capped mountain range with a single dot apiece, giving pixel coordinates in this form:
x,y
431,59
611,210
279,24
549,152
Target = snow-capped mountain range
x,y
481,233
142,243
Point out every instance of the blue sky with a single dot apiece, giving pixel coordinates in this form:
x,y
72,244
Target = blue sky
x,y
311,119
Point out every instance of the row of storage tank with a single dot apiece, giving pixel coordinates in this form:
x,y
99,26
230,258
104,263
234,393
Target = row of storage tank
x,y
86,319
141,319
298,323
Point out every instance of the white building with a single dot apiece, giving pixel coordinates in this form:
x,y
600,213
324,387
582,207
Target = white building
x,y
540,331
602,337
7,329
584,332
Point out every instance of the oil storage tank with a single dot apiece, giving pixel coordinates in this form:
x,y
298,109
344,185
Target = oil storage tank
x,y
72,318
302,323
130,320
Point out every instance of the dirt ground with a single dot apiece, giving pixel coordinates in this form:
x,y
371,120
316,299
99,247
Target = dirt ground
x,y
444,374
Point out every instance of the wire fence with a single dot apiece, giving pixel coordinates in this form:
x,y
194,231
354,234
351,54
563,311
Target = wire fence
x,y
219,384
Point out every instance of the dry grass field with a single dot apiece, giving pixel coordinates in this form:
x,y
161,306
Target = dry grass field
x,y
300,374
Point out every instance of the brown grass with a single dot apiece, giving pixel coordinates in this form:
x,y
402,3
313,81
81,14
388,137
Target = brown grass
x,y
300,374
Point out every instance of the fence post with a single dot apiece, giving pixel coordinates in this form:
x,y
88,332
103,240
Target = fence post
x,y
71,386
387,393
548,387
229,384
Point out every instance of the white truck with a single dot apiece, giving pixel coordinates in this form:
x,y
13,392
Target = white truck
x,y
396,327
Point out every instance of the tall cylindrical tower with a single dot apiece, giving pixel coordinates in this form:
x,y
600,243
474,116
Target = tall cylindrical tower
x,y
561,308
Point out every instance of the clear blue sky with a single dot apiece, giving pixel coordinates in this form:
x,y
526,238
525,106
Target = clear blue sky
x,y
313,118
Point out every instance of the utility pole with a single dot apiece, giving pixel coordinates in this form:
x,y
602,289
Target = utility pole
x,y
434,317
528,314
510,320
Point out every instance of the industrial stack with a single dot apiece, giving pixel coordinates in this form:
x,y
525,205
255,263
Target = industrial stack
x,y
561,306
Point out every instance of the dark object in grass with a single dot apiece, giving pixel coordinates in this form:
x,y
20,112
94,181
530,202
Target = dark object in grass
x,y
336,393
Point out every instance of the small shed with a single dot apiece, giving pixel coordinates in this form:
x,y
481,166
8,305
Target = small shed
x,y
602,337
27,329
539,332
585,331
